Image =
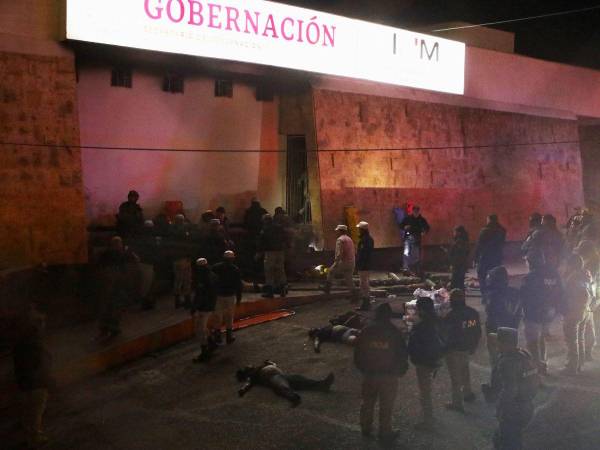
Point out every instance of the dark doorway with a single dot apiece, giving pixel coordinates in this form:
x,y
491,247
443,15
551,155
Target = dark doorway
x,y
297,194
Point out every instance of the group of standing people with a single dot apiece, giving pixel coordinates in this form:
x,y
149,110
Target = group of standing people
x,y
145,250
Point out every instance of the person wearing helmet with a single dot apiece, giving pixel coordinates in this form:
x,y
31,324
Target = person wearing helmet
x,y
515,382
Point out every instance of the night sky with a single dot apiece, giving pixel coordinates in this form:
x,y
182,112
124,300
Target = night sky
x,y
572,39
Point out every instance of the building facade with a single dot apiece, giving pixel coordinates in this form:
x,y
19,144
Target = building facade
x,y
83,123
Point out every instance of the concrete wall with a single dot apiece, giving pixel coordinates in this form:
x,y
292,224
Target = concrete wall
x,y
520,80
41,192
589,136
145,116
39,19
453,186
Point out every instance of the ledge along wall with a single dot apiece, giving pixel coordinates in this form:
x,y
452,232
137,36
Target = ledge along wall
x,y
42,215
454,186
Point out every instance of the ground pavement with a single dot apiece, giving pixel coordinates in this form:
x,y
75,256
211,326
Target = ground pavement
x,y
165,401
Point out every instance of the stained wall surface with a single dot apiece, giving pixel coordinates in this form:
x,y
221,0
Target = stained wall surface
x,y
454,182
145,116
41,191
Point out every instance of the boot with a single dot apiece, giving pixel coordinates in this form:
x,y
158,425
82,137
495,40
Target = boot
x,y
229,337
325,384
217,337
178,301
365,305
268,292
212,345
327,288
204,356
284,291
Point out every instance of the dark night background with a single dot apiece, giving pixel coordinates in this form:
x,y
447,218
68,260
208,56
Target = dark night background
x,y
572,39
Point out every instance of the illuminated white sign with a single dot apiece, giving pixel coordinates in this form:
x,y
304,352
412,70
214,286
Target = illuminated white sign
x,y
274,34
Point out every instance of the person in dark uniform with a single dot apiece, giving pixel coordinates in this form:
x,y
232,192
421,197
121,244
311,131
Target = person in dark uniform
x,y
364,252
535,225
229,293
130,218
459,258
489,250
253,224
203,307
426,348
546,244
113,265
181,251
462,329
32,367
576,313
503,308
381,355
268,374
542,296
515,382
147,246
414,226
272,243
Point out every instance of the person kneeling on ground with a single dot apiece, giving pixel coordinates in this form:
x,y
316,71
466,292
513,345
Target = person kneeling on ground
x,y
381,356
270,375
203,307
463,332
515,381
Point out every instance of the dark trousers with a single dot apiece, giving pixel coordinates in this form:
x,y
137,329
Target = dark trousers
x,y
509,435
482,271
286,385
458,278
381,388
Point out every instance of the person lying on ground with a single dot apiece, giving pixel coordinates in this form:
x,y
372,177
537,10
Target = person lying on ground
x,y
268,374
333,333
